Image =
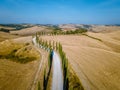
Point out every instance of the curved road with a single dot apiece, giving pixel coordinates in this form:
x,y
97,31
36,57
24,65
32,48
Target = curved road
x,y
57,79
40,65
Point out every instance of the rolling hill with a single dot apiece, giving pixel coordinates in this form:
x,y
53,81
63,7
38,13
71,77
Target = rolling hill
x,y
95,62
31,31
5,36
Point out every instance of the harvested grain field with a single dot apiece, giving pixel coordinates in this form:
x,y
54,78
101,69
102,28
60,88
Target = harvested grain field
x,y
15,75
96,61
31,31
6,36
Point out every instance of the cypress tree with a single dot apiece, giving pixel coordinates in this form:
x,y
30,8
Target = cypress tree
x,y
53,45
39,88
44,80
56,46
50,46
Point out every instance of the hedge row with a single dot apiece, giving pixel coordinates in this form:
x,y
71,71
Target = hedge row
x,y
60,32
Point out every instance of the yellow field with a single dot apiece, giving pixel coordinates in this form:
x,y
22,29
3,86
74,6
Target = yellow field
x,y
96,63
5,36
15,75
31,31
6,27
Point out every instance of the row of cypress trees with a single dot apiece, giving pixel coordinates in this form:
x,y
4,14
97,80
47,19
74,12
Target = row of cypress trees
x,y
64,67
46,77
49,46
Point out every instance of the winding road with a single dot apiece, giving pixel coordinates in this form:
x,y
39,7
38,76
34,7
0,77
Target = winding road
x,y
57,79
40,65
34,41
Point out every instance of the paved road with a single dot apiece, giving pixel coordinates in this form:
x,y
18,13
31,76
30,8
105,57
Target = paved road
x,y
57,79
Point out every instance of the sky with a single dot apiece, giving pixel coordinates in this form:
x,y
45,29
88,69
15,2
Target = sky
x,y
60,11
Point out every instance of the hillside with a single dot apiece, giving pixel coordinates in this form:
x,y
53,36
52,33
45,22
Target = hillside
x,y
31,31
103,28
95,58
5,36
18,65
6,27
95,62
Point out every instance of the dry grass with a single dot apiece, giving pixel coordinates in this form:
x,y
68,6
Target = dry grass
x,y
96,63
111,39
44,55
17,52
74,81
14,75
6,27
105,29
31,31
5,36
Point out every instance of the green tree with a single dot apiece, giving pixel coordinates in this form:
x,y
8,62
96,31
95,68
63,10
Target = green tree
x,y
39,88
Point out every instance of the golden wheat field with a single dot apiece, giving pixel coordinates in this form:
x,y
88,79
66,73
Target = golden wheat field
x,y
95,58
4,36
31,31
13,74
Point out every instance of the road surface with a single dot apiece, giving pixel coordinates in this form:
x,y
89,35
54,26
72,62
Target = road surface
x,y
57,79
